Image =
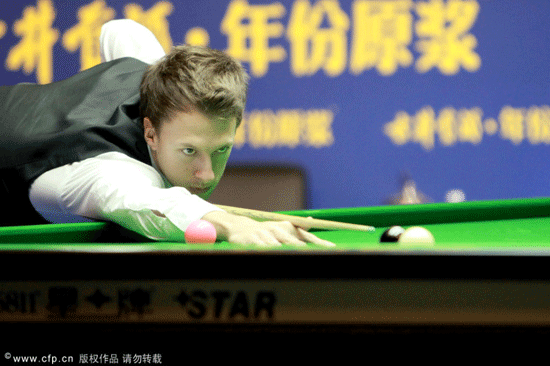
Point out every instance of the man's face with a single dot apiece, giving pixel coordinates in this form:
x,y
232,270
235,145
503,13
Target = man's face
x,y
191,150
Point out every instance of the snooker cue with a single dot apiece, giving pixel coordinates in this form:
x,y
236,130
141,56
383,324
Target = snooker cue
x,y
303,222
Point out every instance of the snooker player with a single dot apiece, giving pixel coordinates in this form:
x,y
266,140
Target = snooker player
x,y
140,140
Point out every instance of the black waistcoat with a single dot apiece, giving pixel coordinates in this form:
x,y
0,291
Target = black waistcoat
x,y
47,126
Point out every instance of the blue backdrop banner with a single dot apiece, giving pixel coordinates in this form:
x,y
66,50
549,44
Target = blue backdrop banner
x,y
454,93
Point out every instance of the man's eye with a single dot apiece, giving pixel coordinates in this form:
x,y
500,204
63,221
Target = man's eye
x,y
223,149
188,151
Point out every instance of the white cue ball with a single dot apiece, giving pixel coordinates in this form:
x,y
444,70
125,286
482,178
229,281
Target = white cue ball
x,y
416,235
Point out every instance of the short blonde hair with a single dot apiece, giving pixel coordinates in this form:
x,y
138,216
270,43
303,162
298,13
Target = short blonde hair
x,y
192,77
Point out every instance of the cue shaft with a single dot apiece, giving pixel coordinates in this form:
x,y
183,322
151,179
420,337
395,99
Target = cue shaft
x,y
303,222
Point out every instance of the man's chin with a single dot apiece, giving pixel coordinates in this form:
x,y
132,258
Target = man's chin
x,y
206,195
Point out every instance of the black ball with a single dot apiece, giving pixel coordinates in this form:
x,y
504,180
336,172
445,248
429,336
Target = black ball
x,y
392,234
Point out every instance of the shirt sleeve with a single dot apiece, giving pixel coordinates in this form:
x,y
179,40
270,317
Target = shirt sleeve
x,y
127,38
114,187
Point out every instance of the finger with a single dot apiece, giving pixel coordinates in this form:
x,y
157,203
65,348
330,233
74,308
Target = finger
x,y
306,227
256,240
268,239
289,239
286,234
310,238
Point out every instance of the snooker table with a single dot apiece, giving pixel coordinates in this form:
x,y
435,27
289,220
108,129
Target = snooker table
x,y
487,272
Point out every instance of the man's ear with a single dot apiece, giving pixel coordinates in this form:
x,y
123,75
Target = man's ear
x,y
150,133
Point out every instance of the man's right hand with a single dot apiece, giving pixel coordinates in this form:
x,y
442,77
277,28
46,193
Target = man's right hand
x,y
245,231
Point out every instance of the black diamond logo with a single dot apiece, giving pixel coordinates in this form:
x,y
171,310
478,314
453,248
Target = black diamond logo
x,y
98,299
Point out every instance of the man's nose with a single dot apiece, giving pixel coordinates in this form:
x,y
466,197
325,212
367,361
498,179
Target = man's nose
x,y
204,171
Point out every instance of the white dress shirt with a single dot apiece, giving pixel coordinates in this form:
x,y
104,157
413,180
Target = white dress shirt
x,y
113,186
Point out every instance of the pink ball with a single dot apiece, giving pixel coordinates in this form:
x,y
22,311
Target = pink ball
x,y
200,231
